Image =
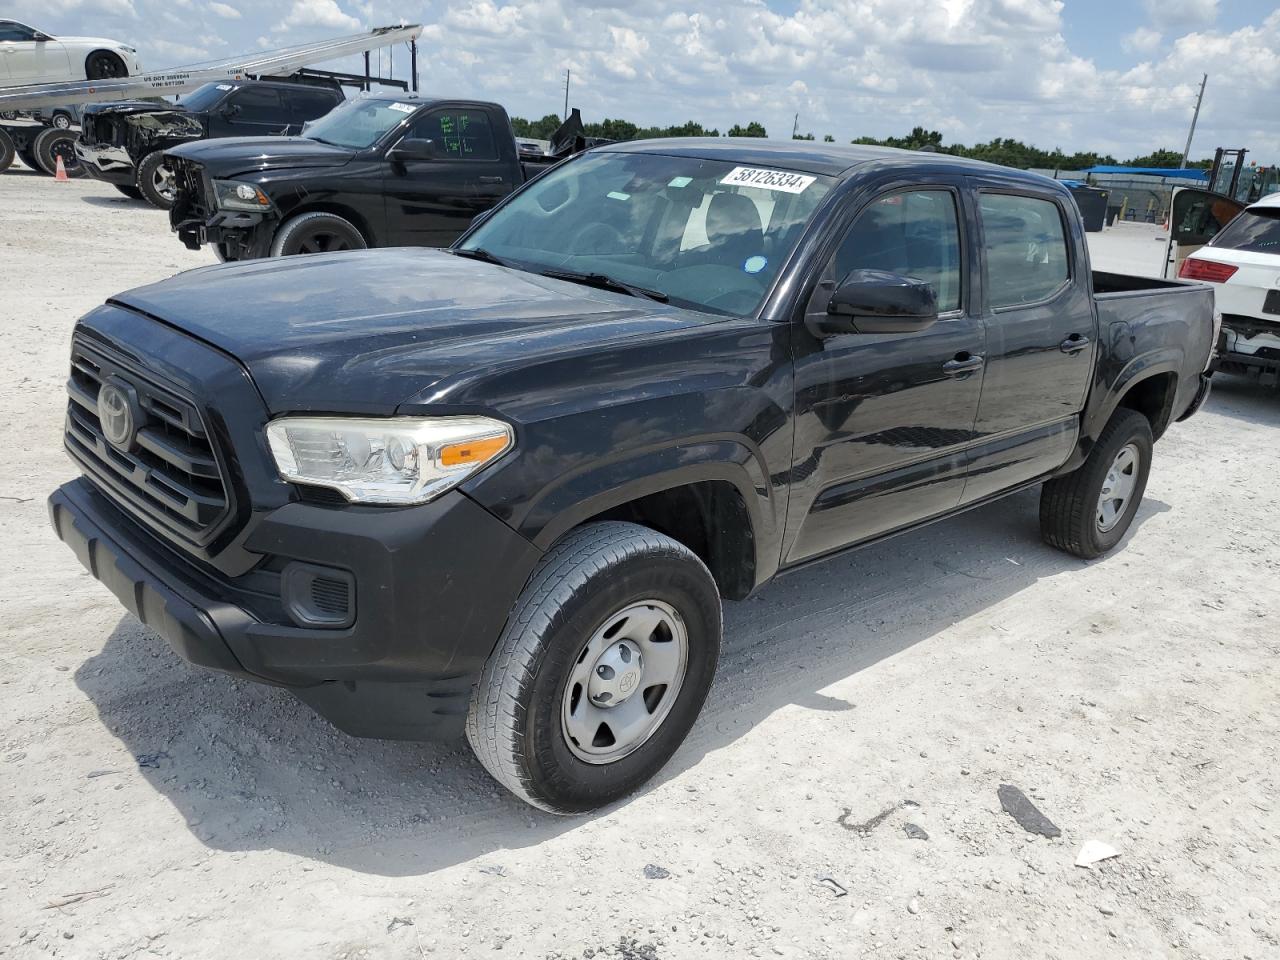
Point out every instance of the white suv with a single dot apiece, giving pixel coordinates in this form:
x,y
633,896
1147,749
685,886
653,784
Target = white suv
x,y
29,56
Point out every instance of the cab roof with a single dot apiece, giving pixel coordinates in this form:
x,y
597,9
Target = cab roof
x,y
804,156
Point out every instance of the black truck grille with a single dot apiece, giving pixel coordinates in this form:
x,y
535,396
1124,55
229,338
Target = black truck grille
x,y
196,203
145,445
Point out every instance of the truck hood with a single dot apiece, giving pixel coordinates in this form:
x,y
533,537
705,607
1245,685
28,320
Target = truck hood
x,y
227,156
366,331
125,107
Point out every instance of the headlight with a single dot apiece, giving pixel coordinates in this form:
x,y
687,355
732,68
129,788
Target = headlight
x,y
399,460
238,195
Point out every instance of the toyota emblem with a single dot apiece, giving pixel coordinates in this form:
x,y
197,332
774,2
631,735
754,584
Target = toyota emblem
x,y
115,413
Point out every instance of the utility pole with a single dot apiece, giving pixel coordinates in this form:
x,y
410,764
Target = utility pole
x,y
795,127
566,97
1194,117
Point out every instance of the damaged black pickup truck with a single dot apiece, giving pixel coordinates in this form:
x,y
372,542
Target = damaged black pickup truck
x,y
123,143
504,488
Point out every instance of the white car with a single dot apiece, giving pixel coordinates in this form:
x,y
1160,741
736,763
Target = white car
x,y
1242,262
29,56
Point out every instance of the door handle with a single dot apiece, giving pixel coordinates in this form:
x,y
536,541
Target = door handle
x,y
491,179
963,365
1073,344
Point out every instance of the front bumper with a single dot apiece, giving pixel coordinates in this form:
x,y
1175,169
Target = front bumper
x,y
109,164
241,234
433,585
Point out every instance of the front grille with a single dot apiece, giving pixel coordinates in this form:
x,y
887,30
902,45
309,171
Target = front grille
x,y
194,198
166,472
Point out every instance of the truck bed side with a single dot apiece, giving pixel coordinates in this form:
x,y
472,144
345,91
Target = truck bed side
x,y
1156,340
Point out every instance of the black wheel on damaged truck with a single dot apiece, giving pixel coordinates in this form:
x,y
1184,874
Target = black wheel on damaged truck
x,y
154,180
1088,511
133,193
54,144
601,671
316,232
7,151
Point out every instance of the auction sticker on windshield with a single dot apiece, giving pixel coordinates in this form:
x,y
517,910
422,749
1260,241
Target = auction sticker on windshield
x,y
402,107
779,180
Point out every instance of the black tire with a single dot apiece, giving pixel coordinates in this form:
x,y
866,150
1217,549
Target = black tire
x,y
29,159
316,232
154,180
516,723
104,65
7,151
1070,505
133,193
53,143
61,120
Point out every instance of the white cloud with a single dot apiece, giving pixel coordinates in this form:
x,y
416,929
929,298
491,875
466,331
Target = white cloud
x,y
225,10
1182,13
1142,40
319,13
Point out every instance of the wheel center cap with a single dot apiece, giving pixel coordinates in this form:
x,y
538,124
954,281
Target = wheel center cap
x,y
616,674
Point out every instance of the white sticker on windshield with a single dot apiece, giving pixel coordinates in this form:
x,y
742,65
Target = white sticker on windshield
x,y
615,195
680,181
403,107
225,86
779,180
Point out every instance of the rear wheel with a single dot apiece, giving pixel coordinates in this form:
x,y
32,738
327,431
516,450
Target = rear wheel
x,y
155,181
53,145
7,151
62,120
133,193
601,671
316,233
104,65
1088,511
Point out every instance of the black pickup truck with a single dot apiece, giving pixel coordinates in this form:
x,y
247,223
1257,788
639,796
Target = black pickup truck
x,y
381,171
503,488
123,143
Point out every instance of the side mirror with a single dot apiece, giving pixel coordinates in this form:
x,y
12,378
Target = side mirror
x,y
41,38
874,301
410,150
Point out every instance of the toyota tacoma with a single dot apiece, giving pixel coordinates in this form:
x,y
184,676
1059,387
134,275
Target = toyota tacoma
x,y
501,490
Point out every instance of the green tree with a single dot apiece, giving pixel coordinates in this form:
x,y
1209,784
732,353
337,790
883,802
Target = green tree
x,y
535,129
802,136
828,138
752,129
1171,159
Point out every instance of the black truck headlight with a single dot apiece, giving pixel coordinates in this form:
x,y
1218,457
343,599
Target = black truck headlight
x,y
398,460
238,195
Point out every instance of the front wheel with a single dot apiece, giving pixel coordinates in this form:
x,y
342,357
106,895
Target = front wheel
x,y
1088,511
316,232
155,180
104,65
133,193
601,671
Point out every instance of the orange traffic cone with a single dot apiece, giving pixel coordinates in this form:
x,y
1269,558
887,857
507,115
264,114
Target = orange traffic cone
x,y
61,174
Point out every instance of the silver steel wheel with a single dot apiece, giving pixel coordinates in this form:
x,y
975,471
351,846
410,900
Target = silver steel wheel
x,y
1118,486
162,181
624,682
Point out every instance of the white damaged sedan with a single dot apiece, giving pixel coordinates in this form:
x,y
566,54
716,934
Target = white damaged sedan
x,y
28,55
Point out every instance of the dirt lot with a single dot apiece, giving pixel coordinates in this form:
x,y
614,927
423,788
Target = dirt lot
x,y
150,809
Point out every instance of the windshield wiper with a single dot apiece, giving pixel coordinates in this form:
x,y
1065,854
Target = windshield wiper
x,y
479,253
603,282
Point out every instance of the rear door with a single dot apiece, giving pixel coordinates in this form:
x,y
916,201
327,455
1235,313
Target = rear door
x,y
1040,335
308,103
430,202
1195,218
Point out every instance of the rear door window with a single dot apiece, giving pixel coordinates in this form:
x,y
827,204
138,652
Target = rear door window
x,y
1026,249
1257,231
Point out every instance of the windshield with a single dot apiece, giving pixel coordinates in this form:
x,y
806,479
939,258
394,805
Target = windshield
x,y
359,123
1255,230
205,97
706,234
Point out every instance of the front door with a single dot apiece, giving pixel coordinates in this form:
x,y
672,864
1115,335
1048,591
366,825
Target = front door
x,y
1040,332
431,202
882,420
1195,218
30,60
251,111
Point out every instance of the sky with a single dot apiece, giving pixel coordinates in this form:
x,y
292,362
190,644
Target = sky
x,y
1116,76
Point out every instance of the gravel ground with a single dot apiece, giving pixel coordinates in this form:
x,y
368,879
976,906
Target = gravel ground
x,y
151,809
